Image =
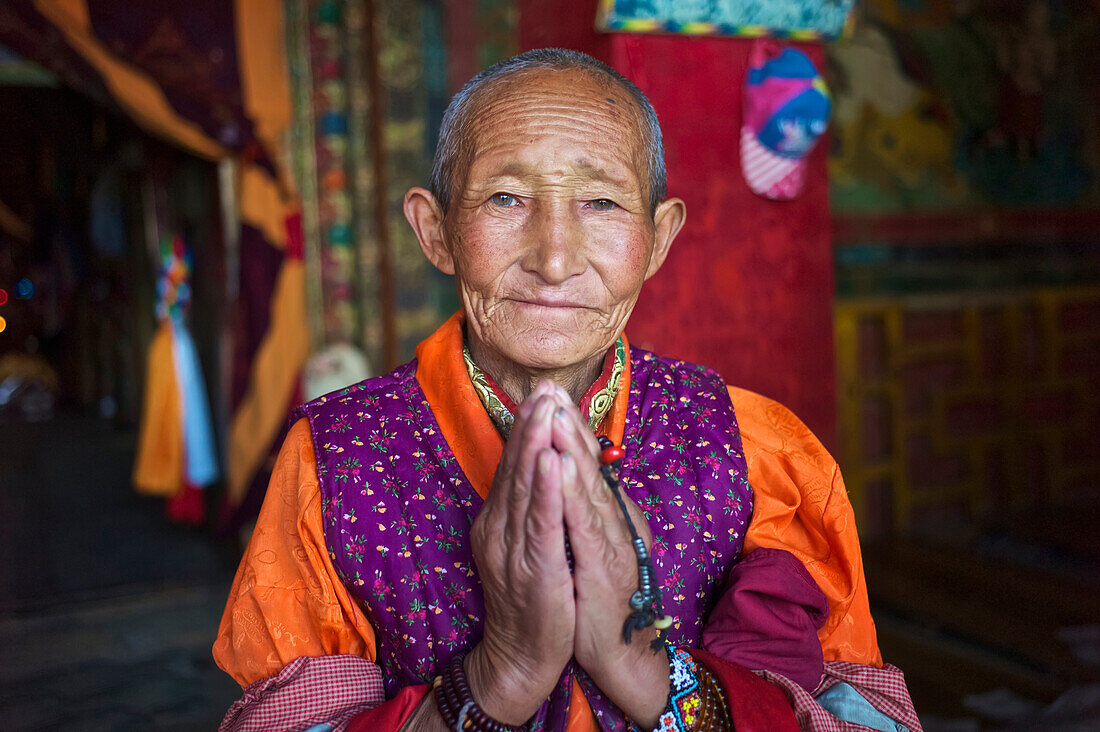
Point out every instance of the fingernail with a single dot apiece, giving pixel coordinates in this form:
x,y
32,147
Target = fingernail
x,y
560,413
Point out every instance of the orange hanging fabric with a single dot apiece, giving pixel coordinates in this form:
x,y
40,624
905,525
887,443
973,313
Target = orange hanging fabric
x,y
158,469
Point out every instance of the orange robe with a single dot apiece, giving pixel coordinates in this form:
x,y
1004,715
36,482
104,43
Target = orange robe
x,y
287,601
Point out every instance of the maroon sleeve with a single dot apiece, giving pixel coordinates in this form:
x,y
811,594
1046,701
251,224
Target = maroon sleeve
x,y
755,704
767,617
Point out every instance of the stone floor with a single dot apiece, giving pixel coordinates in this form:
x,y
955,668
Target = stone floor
x,y
73,528
107,611
131,662
999,627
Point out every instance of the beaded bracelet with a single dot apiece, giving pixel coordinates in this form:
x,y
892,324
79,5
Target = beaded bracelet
x,y
696,702
457,705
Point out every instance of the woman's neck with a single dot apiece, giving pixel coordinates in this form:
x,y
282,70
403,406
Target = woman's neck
x,y
518,381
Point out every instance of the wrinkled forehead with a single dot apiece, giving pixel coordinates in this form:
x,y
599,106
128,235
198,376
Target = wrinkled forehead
x,y
543,103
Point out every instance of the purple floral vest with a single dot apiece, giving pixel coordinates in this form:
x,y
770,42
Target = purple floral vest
x,y
397,511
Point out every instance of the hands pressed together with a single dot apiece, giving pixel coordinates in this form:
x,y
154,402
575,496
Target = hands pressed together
x,y
548,483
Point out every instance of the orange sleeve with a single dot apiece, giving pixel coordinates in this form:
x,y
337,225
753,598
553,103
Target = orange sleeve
x,y
800,505
286,600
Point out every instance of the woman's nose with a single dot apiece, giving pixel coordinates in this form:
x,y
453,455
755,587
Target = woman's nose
x,y
555,244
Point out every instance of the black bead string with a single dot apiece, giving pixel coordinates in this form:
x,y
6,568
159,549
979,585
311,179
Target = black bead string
x,y
646,600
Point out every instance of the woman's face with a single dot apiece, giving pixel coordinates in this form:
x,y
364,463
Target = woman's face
x,y
550,234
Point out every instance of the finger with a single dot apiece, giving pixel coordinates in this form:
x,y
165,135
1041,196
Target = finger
x,y
593,488
510,457
571,414
571,435
584,522
545,539
536,436
605,565
517,490
641,523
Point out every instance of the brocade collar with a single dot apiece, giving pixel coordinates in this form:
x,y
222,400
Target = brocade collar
x,y
595,404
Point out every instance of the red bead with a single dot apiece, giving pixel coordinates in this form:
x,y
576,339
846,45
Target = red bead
x,y
611,454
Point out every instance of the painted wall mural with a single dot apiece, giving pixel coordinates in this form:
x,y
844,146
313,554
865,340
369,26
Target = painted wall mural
x,y
794,19
955,104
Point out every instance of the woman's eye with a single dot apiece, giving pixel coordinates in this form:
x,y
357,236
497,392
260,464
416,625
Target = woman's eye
x,y
603,204
503,199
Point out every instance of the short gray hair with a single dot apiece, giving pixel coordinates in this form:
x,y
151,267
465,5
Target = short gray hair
x,y
454,146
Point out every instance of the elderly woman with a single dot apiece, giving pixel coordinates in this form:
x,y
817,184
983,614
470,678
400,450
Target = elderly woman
x,y
449,546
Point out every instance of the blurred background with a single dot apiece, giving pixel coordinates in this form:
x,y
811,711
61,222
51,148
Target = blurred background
x,y
200,227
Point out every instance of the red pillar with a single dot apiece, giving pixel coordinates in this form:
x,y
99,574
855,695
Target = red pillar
x,y
748,287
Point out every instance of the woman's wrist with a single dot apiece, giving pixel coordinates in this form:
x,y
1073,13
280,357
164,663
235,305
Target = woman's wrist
x,y
696,700
504,692
637,681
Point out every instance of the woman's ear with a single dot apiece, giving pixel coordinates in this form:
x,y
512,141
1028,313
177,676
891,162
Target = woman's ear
x,y
667,221
425,216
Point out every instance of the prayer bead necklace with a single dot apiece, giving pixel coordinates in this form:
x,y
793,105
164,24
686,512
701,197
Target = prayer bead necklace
x,y
646,600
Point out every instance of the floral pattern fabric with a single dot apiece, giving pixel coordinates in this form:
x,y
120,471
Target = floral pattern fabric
x,y
397,510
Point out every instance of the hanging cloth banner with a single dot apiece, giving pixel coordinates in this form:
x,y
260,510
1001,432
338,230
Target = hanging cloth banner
x,y
158,466
797,20
232,102
176,442
198,433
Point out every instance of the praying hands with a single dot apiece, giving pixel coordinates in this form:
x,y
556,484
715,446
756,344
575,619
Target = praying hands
x,y
549,484
537,616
